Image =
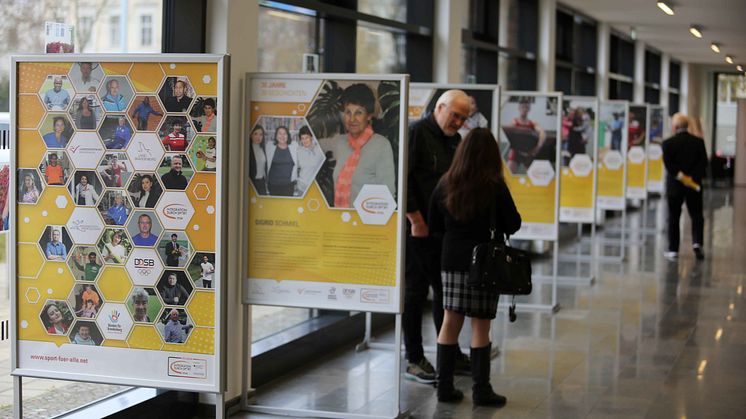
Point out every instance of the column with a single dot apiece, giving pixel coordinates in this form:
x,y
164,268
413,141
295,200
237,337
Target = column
x,y
665,79
449,15
603,40
545,59
639,83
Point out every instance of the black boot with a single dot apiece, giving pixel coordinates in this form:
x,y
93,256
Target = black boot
x,y
446,364
482,393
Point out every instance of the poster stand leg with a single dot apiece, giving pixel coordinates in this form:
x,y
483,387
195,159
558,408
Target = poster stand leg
x,y
246,357
220,405
17,397
365,344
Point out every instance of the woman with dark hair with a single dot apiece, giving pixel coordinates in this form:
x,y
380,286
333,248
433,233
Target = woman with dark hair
x,y
208,121
310,159
85,117
84,192
258,160
149,192
29,193
55,319
282,163
470,195
363,157
56,138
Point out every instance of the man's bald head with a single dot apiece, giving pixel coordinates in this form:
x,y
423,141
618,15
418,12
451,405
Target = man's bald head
x,y
679,121
451,110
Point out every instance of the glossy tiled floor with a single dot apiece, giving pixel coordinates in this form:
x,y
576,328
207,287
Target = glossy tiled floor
x,y
650,339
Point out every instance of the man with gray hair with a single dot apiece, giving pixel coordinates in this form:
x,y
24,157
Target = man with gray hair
x,y
432,143
685,158
139,300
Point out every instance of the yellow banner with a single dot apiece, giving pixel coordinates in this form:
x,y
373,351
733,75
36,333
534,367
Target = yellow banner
x,y
577,191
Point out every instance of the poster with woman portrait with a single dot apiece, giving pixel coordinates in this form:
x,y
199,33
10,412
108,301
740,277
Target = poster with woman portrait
x,y
325,157
637,159
530,124
578,159
656,131
612,154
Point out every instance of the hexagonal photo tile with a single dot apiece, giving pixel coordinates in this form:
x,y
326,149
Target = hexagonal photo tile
x,y
85,150
114,321
55,242
86,187
144,266
30,186
56,92
174,325
85,300
176,132
204,114
146,113
86,76
144,190
145,151
175,210
86,112
203,153
144,305
201,269
175,171
85,332
144,228
56,168
114,246
175,249
115,169
116,131
56,317
116,93
176,94
56,130
174,288
85,263
84,225
114,207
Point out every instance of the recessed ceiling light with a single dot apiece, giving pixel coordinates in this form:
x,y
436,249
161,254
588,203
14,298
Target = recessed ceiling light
x,y
696,31
715,47
729,59
665,7
739,67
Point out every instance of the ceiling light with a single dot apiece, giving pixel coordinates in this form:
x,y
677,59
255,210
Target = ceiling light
x,y
715,47
739,67
665,7
696,31
729,59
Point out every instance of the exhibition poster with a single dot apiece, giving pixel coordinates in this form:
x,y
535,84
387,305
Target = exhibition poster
x,y
483,103
529,126
656,131
117,165
612,154
578,159
637,142
326,154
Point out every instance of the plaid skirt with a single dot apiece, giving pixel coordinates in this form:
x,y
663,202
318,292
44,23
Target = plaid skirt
x,y
465,300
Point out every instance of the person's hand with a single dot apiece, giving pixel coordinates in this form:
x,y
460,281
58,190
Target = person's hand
x,y
419,226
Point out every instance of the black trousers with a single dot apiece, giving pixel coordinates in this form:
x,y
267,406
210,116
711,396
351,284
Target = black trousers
x,y
678,194
422,272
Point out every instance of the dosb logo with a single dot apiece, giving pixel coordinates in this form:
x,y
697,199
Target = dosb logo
x,y
144,266
144,263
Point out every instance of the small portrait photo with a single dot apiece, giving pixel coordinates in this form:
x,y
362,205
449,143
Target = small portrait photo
x,y
357,124
176,133
176,94
86,76
202,269
116,131
55,242
56,130
86,333
85,263
56,93
175,248
205,114
114,207
637,126
175,288
174,325
284,156
56,168
203,153
578,129
612,125
144,305
115,169
657,119
85,300
116,92
144,228
528,131
86,112
144,190
56,317
114,246
29,186
175,171
86,188
146,112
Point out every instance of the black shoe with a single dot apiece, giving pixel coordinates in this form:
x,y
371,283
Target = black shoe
x,y
446,361
699,253
463,364
482,394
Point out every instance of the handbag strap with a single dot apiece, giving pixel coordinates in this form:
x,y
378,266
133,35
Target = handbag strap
x,y
493,219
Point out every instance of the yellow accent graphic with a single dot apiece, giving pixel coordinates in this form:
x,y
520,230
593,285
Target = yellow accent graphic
x,y
201,193
30,111
53,208
635,174
259,109
611,182
535,203
115,343
145,337
142,77
577,191
204,77
114,284
201,341
32,259
202,308
116,68
32,75
655,170
31,148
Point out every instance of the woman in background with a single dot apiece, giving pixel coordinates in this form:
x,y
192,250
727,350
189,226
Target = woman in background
x,y
258,161
282,163
310,159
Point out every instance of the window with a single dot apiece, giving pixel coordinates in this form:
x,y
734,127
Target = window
x,y
730,88
388,9
621,67
85,26
146,30
114,31
652,77
283,39
575,53
379,51
480,43
674,86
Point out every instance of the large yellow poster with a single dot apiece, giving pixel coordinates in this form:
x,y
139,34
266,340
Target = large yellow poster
x,y
612,154
578,159
116,261
637,158
325,191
